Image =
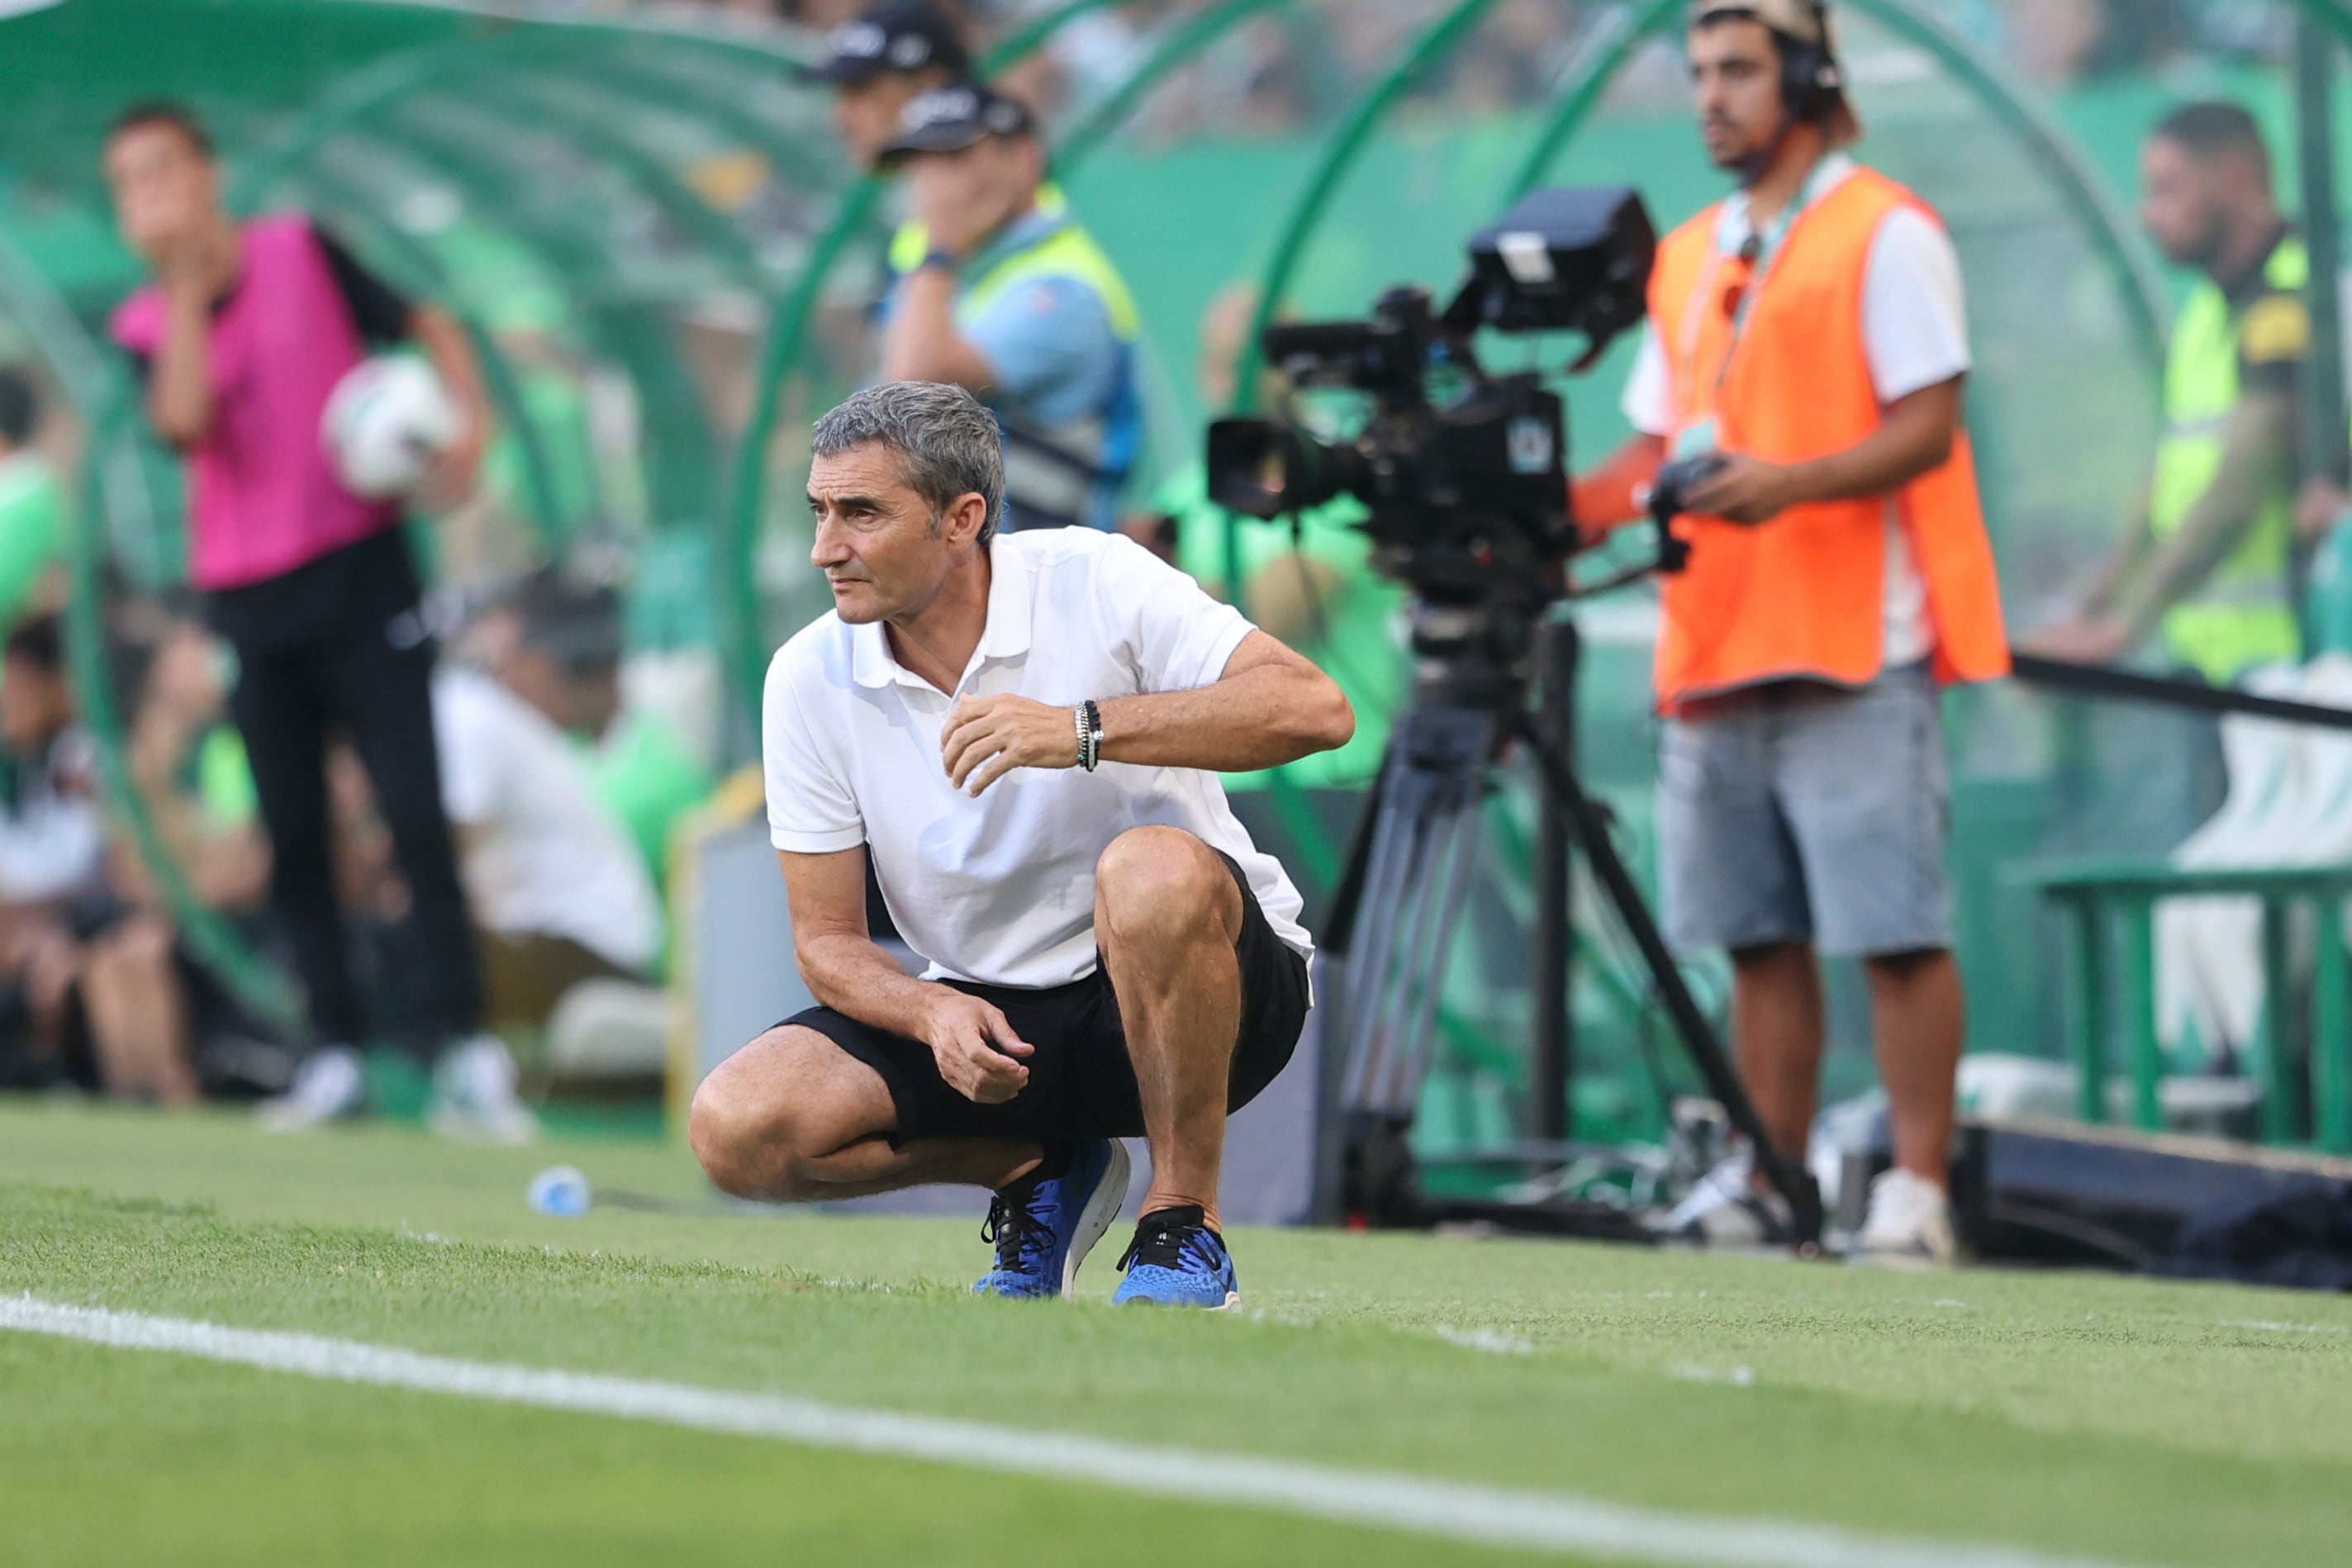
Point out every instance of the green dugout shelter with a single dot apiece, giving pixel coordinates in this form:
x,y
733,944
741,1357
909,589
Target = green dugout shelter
x,y
653,217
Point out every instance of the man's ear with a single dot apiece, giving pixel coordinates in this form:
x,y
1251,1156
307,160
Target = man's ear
x,y
963,518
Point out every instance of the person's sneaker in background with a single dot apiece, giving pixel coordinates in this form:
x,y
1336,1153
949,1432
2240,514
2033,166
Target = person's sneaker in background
x,y
474,1096
1725,1209
1909,1225
1176,1260
1044,1226
330,1086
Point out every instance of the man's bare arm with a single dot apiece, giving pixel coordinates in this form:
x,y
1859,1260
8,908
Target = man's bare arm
x,y
922,343
1915,434
1611,496
180,387
1269,707
847,969
2255,455
844,966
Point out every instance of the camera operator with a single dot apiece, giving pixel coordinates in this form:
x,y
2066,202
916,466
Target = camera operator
x,y
1014,301
1806,344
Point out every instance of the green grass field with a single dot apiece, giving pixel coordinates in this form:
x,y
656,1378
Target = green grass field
x,y
2065,1415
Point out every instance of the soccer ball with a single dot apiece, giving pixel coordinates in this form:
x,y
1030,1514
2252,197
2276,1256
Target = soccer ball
x,y
386,421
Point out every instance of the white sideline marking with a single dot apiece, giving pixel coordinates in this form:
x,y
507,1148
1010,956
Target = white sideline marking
x,y
1454,1510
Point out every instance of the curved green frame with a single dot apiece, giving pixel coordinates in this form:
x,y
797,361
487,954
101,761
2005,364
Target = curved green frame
x,y
2126,252
97,387
1612,45
102,393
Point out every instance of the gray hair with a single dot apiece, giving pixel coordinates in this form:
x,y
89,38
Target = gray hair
x,y
947,441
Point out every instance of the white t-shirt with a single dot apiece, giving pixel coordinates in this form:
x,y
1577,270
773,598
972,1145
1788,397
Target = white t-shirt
x,y
544,854
1001,890
1915,332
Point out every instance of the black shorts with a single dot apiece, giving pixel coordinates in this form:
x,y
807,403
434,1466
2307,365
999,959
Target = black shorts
x,y
1081,1084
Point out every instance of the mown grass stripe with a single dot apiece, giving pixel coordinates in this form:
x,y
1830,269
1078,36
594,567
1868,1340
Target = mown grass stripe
x,y
1451,1510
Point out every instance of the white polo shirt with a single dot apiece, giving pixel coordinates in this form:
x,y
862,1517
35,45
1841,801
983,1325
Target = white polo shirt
x,y
1001,890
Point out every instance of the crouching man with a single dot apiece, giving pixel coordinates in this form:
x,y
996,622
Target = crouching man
x,y
1024,731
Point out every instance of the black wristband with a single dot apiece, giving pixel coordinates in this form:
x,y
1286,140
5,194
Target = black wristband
x,y
941,260
1090,734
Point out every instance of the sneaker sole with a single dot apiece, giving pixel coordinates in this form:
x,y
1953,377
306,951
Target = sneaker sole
x,y
1099,1215
1232,1299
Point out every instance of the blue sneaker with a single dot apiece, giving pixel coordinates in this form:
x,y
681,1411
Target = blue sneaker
x,y
1176,1260
1043,1229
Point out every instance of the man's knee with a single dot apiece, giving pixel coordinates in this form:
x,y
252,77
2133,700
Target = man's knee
x,y
756,1121
1903,968
1765,958
1155,885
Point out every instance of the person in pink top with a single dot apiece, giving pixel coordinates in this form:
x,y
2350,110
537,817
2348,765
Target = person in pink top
x,y
241,337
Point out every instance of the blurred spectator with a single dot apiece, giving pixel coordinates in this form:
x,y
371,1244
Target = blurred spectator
x,y
32,504
558,649
241,338
881,61
52,841
71,954
2210,562
1018,304
558,891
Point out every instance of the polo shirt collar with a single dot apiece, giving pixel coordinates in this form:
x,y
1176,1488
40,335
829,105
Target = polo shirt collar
x,y
1004,635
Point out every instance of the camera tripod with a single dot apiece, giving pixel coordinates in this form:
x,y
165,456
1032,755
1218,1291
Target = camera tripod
x,y
1401,897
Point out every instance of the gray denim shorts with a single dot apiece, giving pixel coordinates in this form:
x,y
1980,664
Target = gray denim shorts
x,y
1800,812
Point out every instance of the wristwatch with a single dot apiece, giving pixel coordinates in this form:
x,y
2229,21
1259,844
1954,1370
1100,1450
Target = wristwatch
x,y
937,259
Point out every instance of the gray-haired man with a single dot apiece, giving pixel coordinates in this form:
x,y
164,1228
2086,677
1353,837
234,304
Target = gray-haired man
x,y
1024,731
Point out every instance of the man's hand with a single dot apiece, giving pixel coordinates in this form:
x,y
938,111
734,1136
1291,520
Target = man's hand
x,y
987,737
977,1053
2086,639
1745,489
2319,508
457,471
956,211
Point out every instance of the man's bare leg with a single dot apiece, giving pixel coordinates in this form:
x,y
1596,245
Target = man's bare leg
x,y
1777,1022
138,1013
1918,1021
1167,915
793,1118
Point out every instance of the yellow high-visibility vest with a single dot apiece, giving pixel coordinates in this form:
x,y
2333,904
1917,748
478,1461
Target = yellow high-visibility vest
x,y
2243,614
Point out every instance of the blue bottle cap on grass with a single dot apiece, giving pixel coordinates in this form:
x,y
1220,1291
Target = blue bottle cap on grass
x,y
560,1190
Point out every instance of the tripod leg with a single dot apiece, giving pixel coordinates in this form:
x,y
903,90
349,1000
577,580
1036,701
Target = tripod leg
x,y
1552,1043
1786,1176
1423,976
1390,874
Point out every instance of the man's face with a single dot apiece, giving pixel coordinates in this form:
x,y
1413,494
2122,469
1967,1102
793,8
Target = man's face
x,y
164,189
865,112
2181,204
34,706
974,191
1736,69
880,546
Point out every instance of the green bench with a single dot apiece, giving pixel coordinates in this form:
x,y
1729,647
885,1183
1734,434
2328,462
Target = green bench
x,y
2095,896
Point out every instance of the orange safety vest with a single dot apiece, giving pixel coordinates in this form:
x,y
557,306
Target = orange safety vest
x,y
1803,596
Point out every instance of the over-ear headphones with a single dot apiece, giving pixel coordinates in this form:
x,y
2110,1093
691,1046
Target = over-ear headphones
x,y
1811,79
